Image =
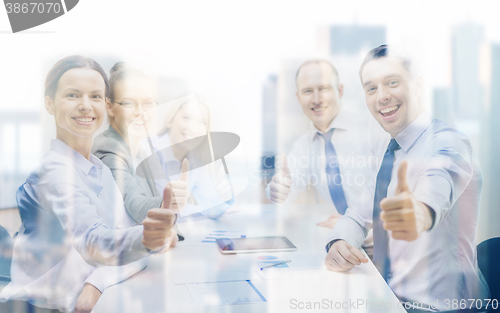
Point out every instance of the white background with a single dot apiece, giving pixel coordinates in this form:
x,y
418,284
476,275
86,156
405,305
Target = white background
x,y
224,49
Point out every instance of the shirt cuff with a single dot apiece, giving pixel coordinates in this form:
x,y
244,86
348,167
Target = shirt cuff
x,y
433,216
94,281
349,230
330,244
268,191
156,251
437,198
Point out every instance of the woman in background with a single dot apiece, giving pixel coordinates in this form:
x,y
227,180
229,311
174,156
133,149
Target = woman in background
x,y
76,236
185,136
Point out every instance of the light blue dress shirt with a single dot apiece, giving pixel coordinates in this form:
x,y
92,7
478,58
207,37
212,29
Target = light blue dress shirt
x,y
73,223
441,265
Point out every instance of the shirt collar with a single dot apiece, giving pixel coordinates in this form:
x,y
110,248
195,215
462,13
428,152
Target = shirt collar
x,y
340,121
80,161
407,137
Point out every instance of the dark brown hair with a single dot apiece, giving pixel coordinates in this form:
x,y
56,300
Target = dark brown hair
x,y
66,64
383,51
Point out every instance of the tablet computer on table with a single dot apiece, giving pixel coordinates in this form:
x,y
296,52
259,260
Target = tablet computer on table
x,y
254,245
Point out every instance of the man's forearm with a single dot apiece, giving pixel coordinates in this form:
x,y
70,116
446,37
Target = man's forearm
x,y
349,230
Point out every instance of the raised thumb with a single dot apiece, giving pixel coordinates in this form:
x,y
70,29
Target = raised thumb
x,y
185,170
284,170
167,197
402,184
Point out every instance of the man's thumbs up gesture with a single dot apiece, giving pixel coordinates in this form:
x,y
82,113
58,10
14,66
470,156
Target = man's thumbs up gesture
x,y
158,232
180,188
402,214
282,180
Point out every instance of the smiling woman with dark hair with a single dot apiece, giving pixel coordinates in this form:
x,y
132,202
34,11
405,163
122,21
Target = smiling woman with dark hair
x,y
76,238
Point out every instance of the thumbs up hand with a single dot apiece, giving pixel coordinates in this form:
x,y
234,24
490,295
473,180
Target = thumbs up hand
x,y
402,214
180,188
281,183
158,233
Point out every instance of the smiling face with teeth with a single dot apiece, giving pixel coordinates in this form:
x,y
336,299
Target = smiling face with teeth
x,y
78,106
393,96
319,93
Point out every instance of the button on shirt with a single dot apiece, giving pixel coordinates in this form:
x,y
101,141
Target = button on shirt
x,y
359,143
73,223
442,173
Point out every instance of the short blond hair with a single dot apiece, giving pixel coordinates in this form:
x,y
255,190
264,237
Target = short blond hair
x,y
319,61
177,105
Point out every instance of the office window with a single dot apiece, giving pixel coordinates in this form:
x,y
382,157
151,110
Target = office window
x,y
29,147
8,164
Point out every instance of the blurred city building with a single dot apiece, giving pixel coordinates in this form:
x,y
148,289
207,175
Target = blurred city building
x,y
472,106
467,39
20,151
490,149
348,46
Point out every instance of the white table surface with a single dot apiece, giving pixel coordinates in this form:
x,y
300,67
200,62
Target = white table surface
x,y
153,290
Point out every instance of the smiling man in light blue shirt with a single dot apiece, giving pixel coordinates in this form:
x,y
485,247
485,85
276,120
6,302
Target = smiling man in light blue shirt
x,y
423,205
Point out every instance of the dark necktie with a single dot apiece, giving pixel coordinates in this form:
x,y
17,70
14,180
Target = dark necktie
x,y
380,235
333,173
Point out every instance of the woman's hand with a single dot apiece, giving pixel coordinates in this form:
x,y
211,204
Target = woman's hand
x,y
180,189
158,224
87,299
172,241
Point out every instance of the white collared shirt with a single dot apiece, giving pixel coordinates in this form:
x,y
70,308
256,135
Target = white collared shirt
x,y
441,265
360,145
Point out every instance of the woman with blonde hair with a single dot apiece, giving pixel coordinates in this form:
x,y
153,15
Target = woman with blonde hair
x,y
186,135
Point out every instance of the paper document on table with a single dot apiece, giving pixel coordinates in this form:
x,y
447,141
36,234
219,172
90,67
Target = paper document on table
x,y
211,272
237,292
299,260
